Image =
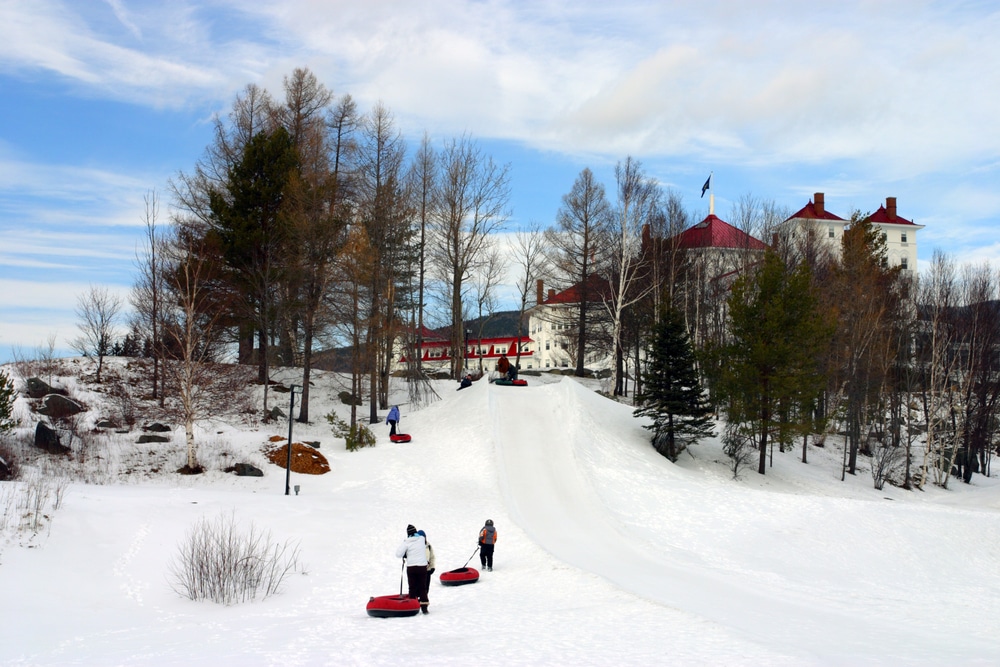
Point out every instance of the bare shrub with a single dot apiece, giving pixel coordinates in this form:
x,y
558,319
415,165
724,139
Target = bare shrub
x,y
24,364
739,447
220,562
27,506
886,461
124,399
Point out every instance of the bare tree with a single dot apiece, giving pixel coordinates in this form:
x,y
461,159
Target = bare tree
x,y
629,283
349,301
382,211
973,390
486,279
98,311
473,203
147,292
529,251
577,242
422,177
202,385
938,295
316,214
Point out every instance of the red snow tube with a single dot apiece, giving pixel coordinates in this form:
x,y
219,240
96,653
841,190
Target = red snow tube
x,y
511,383
400,437
463,575
391,606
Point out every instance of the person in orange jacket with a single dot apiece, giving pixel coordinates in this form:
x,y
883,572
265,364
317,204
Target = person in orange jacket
x,y
487,540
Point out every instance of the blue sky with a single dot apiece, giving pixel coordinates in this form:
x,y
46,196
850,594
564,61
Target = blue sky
x,y
102,101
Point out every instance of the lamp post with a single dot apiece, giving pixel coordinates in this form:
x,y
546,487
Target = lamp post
x,y
288,464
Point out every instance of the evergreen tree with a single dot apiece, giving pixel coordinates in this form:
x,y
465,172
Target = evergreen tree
x,y
672,396
252,230
771,372
7,397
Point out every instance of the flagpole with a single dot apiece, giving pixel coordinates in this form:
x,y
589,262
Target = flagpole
x,y
711,193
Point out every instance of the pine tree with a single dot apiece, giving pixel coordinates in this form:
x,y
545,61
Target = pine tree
x,y
7,397
672,396
771,365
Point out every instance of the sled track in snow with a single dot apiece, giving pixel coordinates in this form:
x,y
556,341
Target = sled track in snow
x,y
549,492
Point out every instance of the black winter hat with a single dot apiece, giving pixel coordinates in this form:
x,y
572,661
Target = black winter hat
x,y
410,530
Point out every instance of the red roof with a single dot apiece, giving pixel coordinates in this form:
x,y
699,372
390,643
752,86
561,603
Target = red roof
x,y
809,213
882,216
596,288
714,232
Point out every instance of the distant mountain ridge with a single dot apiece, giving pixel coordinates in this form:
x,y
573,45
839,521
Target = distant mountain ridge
x,y
498,325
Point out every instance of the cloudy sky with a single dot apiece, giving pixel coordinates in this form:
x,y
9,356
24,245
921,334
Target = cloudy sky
x,y
103,101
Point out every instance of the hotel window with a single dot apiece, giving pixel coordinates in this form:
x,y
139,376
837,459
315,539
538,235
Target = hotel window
x,y
831,233
546,345
885,237
902,237
904,264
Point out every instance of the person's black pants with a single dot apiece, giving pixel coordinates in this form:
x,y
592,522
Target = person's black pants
x,y
416,577
392,427
486,555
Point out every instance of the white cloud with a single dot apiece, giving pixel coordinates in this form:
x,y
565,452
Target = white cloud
x,y
123,16
907,91
64,39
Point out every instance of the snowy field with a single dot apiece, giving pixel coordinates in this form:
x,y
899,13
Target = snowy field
x,y
608,554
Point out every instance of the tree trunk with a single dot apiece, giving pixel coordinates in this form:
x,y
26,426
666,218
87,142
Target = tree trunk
x,y
306,371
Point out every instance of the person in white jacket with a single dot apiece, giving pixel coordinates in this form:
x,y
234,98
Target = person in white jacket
x,y
431,565
414,551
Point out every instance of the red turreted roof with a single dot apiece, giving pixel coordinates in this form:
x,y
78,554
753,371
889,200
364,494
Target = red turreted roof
x,y
809,213
882,216
714,232
597,287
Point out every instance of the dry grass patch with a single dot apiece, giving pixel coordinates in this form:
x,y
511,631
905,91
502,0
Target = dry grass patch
x,y
305,459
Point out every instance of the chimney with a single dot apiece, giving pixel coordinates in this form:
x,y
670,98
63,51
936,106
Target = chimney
x,y
890,207
552,293
819,203
539,291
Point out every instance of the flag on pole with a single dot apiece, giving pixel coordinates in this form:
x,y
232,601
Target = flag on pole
x,y
708,183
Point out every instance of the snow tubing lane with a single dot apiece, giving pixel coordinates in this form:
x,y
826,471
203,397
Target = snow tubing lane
x,y
460,577
511,383
392,606
400,437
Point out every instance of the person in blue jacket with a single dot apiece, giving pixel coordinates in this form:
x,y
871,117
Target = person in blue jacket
x,y
392,419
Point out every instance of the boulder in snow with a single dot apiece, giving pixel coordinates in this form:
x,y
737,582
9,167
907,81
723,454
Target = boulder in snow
x,y
57,406
48,440
247,470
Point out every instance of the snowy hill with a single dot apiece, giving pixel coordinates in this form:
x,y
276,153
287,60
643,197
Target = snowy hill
x,y
608,554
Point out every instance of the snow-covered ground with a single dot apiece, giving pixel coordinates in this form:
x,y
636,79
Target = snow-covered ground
x,y
608,554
